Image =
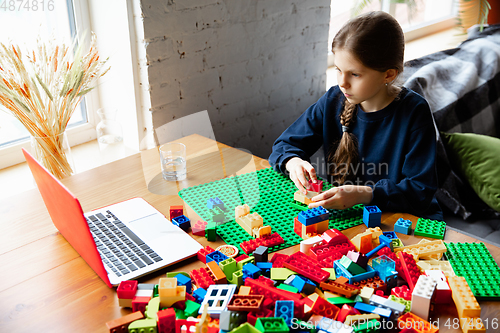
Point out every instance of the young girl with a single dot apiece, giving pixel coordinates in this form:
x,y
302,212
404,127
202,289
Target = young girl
x,y
378,138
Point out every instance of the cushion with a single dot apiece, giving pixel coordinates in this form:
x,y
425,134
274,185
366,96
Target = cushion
x,y
477,157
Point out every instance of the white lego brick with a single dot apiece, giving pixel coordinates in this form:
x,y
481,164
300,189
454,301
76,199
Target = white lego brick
x,y
306,244
422,295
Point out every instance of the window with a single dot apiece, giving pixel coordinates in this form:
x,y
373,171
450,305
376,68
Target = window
x,y
429,16
21,22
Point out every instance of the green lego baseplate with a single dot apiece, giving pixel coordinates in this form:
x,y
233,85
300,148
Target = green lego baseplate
x,y
430,228
268,193
474,262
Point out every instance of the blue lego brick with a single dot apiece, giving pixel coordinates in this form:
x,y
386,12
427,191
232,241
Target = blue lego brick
x,y
265,267
199,294
183,280
342,271
373,309
284,309
313,215
390,234
303,284
251,271
384,266
182,222
216,256
403,226
215,202
372,216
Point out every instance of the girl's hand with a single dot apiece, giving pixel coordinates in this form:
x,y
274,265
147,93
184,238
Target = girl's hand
x,y
343,197
299,169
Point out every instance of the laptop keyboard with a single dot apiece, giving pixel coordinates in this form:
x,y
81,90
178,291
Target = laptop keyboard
x,y
121,250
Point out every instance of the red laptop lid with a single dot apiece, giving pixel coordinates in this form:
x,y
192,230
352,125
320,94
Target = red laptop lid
x,y
67,215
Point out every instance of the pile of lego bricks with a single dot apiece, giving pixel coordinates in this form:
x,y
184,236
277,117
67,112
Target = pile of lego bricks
x,y
266,192
368,283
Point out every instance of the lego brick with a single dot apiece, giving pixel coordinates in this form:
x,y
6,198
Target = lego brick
x,y
339,288
403,226
120,325
152,308
397,243
278,259
211,231
409,269
250,221
265,267
358,258
366,293
142,325
304,198
183,280
430,228
472,325
313,215
269,241
253,316
169,292
243,262
402,301
166,321
466,303
199,294
261,254
373,309
262,186
286,287
412,321
342,271
182,222
229,320
362,242
353,319
439,265
250,270
320,252
302,284
324,308
176,211
474,262
261,231
384,266
304,265
245,303
374,282
241,210
298,205
127,289
352,267
422,295
215,202
403,292
218,275
139,303
309,243
383,242
198,228
216,215
281,274
425,249
316,187
202,253
396,308
285,310
201,277
339,300
346,310
330,270
390,234
443,291
271,325
372,216
215,256
217,298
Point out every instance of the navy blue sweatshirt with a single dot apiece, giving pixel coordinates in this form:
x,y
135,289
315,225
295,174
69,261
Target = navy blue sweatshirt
x,y
397,149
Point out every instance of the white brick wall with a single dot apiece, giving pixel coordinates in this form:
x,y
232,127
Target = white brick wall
x,y
255,65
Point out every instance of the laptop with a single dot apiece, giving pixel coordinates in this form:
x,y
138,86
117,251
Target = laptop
x,y
119,242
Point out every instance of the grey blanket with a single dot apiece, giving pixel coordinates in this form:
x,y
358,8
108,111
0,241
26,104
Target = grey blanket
x,y
462,86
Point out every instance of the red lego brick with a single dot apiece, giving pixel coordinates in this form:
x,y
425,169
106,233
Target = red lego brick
x,y
306,266
202,253
297,226
268,241
345,311
139,303
328,261
387,251
375,282
409,269
278,259
127,289
120,325
198,228
381,294
176,211
201,277
334,236
166,321
184,325
263,313
323,251
402,292
316,187
241,257
245,303
324,308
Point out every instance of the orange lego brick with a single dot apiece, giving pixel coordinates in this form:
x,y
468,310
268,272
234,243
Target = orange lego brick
x,y
466,303
411,321
472,325
339,288
120,325
219,276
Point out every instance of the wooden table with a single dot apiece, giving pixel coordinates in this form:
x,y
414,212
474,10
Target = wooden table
x,y
46,286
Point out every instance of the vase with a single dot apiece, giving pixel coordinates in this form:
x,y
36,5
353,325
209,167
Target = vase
x,y
54,153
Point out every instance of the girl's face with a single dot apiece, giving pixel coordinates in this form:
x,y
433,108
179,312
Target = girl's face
x,y
360,84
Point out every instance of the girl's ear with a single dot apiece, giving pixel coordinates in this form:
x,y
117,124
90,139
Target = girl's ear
x,y
390,75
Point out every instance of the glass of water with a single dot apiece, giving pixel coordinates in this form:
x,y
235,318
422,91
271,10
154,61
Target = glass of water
x,y
173,161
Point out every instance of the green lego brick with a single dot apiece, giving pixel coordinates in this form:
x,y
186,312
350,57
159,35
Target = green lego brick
x,y
474,262
173,274
286,287
399,300
152,308
271,325
245,328
241,263
351,266
179,314
340,300
397,243
281,273
298,205
217,214
142,325
155,291
192,308
211,231
367,326
228,266
430,228
268,193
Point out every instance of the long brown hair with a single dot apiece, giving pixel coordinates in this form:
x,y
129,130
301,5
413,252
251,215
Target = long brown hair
x,y
377,41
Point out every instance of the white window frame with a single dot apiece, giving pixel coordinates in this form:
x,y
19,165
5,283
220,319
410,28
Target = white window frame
x,y
417,31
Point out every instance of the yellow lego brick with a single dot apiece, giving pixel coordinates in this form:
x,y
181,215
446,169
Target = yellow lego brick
x,y
472,325
425,249
439,265
366,293
352,319
331,271
261,231
244,290
167,287
362,242
466,303
250,221
241,211
436,256
305,199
